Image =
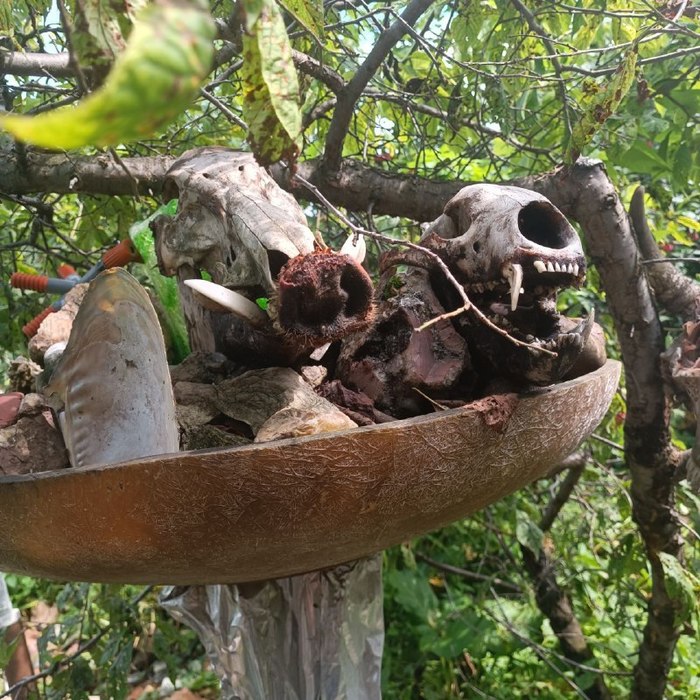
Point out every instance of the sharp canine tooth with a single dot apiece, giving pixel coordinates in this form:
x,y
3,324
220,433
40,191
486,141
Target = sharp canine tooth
x,y
540,266
318,353
550,267
214,296
514,273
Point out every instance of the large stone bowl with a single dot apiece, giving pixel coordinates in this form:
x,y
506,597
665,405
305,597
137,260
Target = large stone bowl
x,y
272,510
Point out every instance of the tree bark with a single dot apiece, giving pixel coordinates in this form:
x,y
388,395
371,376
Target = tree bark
x,y
586,193
24,171
552,599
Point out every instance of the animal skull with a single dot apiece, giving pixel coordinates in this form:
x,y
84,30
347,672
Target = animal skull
x,y
251,237
512,249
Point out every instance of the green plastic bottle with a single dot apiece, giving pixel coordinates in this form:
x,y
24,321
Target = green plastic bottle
x,y
164,287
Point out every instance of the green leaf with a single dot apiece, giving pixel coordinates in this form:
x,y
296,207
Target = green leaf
x,y
168,55
270,88
308,13
602,103
681,586
263,303
7,25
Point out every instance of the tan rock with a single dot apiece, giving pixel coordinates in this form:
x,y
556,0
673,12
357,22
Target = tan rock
x,y
55,328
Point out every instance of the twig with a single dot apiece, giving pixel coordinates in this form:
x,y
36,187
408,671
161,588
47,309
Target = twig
x,y
349,95
437,260
73,57
669,260
608,442
229,114
465,573
562,496
66,660
134,182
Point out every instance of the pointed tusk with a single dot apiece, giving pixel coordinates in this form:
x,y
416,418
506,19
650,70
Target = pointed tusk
x,y
217,298
318,353
355,249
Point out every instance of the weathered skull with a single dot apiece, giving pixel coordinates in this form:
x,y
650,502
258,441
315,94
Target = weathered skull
x,y
233,220
238,225
512,249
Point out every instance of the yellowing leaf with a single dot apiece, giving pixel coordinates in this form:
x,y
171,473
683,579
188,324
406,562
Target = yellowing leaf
x,y
270,87
686,221
309,13
168,54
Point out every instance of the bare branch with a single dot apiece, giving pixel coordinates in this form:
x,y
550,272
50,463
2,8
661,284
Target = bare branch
x,y
352,91
586,193
470,575
48,65
677,293
23,171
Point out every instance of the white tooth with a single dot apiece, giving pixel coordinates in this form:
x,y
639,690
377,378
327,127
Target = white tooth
x,y
571,268
557,267
515,274
318,353
356,249
217,298
540,266
550,267
575,270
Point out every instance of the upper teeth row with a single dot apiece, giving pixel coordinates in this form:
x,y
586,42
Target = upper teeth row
x,y
541,266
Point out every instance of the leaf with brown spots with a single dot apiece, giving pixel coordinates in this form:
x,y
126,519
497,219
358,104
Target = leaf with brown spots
x,y
601,104
168,54
270,85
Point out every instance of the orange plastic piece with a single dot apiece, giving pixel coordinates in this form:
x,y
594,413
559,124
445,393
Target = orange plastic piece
x,y
32,327
122,254
65,270
23,280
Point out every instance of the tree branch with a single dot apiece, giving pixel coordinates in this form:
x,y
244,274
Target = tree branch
x,y
586,193
352,91
23,171
677,293
51,65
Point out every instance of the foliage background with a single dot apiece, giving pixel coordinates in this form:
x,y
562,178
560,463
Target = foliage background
x,y
488,90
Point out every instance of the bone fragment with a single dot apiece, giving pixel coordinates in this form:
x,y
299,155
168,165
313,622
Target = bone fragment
x,y
217,298
355,247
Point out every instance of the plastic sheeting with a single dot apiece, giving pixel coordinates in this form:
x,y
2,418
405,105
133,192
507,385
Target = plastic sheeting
x,y
8,614
316,636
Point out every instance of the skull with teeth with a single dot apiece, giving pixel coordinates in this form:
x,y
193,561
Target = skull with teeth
x,y
251,237
512,249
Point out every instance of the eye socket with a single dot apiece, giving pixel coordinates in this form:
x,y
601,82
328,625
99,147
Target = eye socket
x,y
476,246
545,225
